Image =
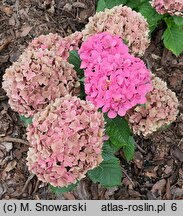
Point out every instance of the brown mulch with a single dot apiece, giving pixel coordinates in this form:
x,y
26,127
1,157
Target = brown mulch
x,y
157,169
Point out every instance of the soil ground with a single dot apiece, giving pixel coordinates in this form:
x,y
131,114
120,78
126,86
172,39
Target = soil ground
x,y
157,169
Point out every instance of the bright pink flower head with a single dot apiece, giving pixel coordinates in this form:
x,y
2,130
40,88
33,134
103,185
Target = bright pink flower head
x,y
66,141
98,47
40,75
114,80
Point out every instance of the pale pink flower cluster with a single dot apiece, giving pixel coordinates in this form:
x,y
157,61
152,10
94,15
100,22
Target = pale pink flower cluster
x,y
123,21
59,45
40,75
114,80
160,110
74,40
173,7
66,141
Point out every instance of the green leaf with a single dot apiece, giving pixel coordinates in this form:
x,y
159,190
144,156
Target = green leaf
x,y
59,190
165,126
75,60
82,80
134,4
118,131
173,39
120,136
178,20
108,173
142,105
102,4
82,95
129,149
111,4
153,18
25,120
169,21
107,151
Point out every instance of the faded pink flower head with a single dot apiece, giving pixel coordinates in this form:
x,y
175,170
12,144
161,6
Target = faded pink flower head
x,y
160,110
74,40
114,80
123,21
173,7
56,45
66,141
40,75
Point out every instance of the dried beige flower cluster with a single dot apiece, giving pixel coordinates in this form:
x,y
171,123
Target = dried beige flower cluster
x,y
123,21
160,110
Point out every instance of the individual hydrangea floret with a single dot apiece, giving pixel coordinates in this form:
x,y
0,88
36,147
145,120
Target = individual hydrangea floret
x,y
123,21
40,75
173,7
74,40
66,141
160,110
114,80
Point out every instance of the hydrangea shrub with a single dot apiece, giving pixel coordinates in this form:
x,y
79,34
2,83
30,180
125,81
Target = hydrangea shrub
x,y
114,80
71,137
66,141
